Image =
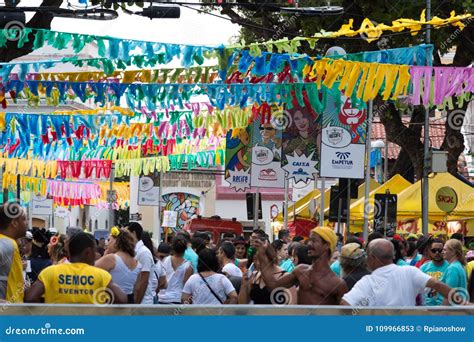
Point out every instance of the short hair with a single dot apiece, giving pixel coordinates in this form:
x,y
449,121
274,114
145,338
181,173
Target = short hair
x,y
228,249
185,235
458,236
228,235
283,233
179,245
436,240
79,242
136,228
382,253
292,246
278,244
301,252
203,235
373,236
198,244
298,238
207,261
260,233
164,247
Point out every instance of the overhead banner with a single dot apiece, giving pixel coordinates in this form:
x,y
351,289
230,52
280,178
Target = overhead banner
x,y
343,139
266,170
238,158
301,143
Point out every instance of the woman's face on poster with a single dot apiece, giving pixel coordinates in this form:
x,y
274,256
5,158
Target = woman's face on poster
x,y
301,121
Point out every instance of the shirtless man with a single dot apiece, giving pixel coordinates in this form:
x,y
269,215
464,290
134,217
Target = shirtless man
x,y
317,284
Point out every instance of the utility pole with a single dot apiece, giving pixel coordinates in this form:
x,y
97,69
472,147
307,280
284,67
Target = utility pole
x,y
426,141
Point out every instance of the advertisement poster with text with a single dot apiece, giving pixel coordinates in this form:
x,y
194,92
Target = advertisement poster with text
x,y
266,170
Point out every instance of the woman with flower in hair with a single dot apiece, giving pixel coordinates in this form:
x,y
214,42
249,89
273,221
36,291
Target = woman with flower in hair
x,y
119,260
57,249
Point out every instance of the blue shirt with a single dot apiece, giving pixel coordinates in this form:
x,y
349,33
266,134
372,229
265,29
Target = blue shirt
x,y
192,257
287,265
431,297
336,267
455,277
402,262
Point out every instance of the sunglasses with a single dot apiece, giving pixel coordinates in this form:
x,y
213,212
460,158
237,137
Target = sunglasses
x,y
267,128
437,250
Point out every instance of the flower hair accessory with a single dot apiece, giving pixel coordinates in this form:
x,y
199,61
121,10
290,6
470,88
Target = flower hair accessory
x,y
54,240
115,232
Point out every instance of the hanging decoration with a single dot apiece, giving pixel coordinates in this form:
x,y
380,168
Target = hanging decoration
x,y
368,29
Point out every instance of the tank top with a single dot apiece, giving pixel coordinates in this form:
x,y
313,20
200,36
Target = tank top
x,y
261,295
123,276
174,290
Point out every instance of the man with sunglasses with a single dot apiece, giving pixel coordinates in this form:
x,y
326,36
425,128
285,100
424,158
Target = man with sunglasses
x,y
435,268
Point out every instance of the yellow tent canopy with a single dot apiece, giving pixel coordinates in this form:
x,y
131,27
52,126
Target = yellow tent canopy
x,y
302,207
409,200
396,184
361,191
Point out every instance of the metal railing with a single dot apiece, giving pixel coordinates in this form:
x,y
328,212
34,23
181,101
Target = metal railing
x,y
224,310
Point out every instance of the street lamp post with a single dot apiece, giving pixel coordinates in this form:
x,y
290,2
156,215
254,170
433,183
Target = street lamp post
x,y
426,141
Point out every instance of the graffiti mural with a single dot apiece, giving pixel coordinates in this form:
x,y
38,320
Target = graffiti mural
x,y
187,206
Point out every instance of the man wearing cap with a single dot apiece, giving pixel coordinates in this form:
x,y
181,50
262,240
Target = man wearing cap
x,y
317,284
353,263
423,248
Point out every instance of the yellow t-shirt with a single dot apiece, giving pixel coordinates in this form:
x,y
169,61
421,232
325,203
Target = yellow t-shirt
x,y
469,269
11,271
75,283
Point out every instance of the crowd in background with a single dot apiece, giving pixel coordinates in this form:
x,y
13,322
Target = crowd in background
x,y
44,266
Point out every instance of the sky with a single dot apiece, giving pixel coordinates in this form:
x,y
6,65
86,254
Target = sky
x,y
192,28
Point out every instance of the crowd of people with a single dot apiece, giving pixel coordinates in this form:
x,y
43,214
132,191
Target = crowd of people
x,y
42,266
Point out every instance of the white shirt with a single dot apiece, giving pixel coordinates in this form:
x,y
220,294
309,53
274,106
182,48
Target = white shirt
x,y
201,294
175,280
390,285
232,270
144,257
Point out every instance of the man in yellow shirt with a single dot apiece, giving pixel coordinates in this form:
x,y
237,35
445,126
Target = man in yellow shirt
x,y
13,226
77,282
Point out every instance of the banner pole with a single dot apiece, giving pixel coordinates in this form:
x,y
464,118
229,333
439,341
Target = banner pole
x,y
367,171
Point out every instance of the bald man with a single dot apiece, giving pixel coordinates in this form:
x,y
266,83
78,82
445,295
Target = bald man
x,y
317,284
389,284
